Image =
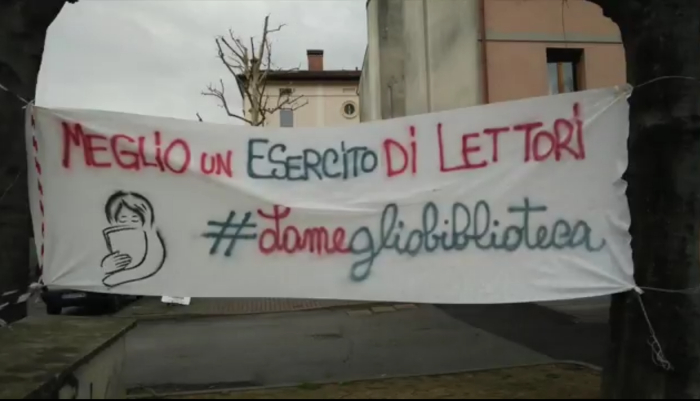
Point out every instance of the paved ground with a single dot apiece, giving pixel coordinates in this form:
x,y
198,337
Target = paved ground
x,y
363,341
329,345
148,308
586,310
572,330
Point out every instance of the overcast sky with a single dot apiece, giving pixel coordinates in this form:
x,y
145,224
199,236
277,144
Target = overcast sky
x,y
156,57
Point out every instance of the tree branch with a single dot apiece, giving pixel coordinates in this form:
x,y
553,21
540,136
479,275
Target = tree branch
x,y
222,56
250,67
288,102
220,94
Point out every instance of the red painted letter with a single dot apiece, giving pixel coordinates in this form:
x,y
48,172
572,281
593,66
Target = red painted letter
x,y
466,149
442,153
133,163
564,127
528,128
185,163
390,170
494,132
277,216
142,152
91,148
224,166
71,137
538,155
203,164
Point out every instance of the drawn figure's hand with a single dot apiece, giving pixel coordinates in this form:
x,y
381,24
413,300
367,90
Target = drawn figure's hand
x,y
115,261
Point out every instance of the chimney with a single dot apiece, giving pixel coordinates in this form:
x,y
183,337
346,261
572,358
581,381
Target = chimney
x,y
315,60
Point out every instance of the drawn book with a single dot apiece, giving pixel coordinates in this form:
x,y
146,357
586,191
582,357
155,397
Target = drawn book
x,y
127,240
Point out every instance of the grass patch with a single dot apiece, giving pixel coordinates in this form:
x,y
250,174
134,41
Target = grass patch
x,y
560,381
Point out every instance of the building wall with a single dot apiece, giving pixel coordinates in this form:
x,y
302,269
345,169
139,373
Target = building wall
x,y
372,58
384,60
423,45
323,103
442,63
578,20
519,32
519,70
391,58
368,102
448,33
417,93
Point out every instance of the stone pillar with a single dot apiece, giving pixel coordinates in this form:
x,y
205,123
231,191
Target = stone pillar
x,y
383,74
417,89
391,57
442,62
371,96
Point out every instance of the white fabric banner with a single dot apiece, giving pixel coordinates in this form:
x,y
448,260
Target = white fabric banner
x,y
510,202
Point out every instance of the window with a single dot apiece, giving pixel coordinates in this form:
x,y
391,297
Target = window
x,y
286,91
349,109
563,70
286,118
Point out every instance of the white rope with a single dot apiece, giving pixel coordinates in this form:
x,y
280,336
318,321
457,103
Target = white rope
x,y
26,104
657,352
9,187
21,99
685,291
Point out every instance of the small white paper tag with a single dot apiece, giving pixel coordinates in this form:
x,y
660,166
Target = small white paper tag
x,y
176,300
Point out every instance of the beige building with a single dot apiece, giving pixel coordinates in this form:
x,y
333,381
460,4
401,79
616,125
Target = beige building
x,y
429,55
323,98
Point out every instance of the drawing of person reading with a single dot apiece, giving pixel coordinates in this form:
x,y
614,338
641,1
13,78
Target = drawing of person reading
x,y
136,250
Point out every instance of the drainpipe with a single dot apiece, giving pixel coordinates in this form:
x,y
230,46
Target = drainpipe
x,y
484,59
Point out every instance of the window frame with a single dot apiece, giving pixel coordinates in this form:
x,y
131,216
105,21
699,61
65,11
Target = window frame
x,y
560,58
282,113
349,115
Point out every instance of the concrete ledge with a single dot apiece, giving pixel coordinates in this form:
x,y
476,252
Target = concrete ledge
x,y
151,309
40,356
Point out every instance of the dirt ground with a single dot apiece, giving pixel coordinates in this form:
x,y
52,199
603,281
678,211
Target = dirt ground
x,y
540,382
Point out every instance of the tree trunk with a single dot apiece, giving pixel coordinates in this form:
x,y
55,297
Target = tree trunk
x,y
23,25
661,38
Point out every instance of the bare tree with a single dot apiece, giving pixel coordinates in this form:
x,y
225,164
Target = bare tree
x,y
250,67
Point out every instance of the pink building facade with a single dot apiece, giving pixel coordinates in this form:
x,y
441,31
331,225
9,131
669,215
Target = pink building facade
x,y
540,47
443,54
